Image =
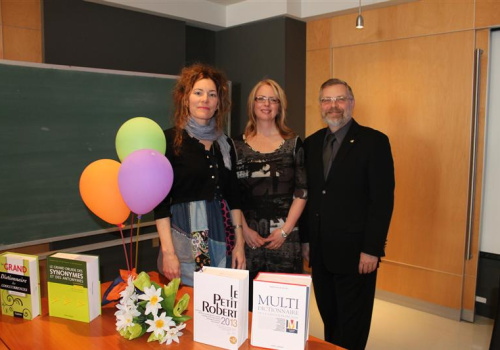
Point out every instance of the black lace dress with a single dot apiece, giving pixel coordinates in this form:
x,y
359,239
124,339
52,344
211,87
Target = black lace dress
x,y
269,182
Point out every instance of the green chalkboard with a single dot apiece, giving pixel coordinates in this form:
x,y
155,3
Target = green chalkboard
x,y
54,121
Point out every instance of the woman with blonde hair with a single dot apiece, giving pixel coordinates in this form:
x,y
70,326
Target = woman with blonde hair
x,y
270,170
199,222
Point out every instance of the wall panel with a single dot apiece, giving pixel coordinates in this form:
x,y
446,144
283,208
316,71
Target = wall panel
x,y
418,18
20,30
318,35
22,44
487,13
25,14
425,285
318,67
1,31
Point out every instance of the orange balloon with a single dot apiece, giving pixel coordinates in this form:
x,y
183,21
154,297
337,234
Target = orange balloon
x,y
100,192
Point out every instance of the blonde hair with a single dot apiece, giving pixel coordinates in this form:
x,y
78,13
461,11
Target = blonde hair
x,y
280,120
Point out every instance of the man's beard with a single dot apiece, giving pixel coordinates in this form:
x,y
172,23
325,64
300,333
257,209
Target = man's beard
x,y
337,122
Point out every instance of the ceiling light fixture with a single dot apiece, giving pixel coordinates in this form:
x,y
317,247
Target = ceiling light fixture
x,y
360,22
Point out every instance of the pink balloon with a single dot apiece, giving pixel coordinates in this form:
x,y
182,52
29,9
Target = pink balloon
x,y
145,178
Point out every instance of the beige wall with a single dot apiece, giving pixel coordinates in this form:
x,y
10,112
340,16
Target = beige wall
x,y
411,69
21,30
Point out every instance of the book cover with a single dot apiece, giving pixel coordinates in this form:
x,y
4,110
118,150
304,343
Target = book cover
x,y
280,315
220,314
20,285
73,285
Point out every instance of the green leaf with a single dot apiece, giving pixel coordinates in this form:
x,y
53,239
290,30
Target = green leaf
x,y
170,291
181,319
181,305
142,281
153,337
135,331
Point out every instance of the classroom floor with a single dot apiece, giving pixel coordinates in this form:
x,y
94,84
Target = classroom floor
x,y
396,327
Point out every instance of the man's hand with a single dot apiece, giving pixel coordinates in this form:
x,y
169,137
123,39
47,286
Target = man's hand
x,y
367,263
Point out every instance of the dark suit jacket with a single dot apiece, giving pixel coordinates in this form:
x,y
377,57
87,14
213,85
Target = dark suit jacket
x,y
350,212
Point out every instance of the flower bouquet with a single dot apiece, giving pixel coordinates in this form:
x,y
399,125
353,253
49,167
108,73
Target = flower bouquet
x,y
146,307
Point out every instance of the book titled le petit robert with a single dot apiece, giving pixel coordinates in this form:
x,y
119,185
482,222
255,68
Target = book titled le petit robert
x,y
220,315
20,285
73,285
280,315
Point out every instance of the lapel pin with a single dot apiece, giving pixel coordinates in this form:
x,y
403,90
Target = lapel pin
x,y
352,141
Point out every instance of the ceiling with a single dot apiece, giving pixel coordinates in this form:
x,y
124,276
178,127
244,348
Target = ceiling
x,y
221,14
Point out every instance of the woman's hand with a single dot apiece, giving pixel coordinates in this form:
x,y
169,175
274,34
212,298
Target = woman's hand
x,y
253,239
275,239
171,268
238,257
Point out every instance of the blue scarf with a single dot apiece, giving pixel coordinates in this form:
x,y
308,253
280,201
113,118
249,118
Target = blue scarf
x,y
209,132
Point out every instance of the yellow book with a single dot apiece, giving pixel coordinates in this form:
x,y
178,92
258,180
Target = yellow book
x,y
74,289
20,285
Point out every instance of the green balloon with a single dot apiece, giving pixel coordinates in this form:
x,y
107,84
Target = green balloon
x,y
139,133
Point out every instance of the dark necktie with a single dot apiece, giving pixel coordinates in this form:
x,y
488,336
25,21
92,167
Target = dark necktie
x,y
327,153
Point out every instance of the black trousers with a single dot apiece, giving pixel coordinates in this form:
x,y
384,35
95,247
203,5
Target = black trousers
x,y
345,303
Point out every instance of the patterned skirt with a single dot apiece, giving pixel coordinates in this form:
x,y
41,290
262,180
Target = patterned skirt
x,y
202,235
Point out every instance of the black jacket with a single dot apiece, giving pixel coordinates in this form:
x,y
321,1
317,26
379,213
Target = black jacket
x,y
350,212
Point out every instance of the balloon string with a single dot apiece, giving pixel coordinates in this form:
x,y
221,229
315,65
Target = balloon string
x,y
124,247
131,239
137,239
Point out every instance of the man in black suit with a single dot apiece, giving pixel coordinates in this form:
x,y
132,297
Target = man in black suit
x,y
350,175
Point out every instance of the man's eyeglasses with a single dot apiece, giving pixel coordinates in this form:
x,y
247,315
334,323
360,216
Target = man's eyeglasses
x,y
263,99
339,99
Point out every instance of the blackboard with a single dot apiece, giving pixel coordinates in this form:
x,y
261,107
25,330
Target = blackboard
x,y
56,120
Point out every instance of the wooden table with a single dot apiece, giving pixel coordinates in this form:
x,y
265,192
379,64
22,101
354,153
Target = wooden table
x,y
46,332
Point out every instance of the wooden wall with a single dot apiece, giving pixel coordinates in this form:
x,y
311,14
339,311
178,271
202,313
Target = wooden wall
x,y
411,69
21,30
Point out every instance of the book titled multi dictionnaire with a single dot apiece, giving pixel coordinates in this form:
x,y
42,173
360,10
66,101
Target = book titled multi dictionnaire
x,y
220,313
73,286
20,285
280,315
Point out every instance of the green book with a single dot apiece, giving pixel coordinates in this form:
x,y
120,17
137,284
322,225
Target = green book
x,y
20,285
73,285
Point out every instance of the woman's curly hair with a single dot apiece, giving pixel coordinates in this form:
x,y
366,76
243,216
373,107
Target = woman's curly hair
x,y
182,90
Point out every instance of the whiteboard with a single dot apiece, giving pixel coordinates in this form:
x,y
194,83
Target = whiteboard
x,y
490,216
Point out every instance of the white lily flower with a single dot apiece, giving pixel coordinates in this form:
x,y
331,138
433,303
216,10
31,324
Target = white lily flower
x,y
160,324
173,334
129,291
152,295
125,319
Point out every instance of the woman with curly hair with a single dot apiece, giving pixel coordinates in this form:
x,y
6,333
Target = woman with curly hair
x,y
199,222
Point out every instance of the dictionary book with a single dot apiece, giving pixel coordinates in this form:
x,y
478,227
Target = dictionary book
x,y
220,313
280,315
20,285
73,285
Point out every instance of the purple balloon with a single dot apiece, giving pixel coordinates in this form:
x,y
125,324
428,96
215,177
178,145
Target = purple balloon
x,y
145,178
